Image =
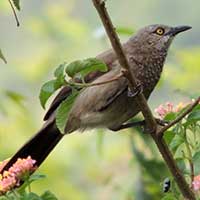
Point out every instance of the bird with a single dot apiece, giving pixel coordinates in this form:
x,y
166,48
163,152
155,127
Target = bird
x,y
109,105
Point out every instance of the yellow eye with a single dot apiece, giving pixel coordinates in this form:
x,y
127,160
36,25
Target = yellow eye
x,y
160,31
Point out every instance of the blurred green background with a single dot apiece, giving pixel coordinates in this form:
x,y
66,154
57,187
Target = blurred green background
x,y
99,164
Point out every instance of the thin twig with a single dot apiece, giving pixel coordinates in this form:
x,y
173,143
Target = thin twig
x,y
141,101
179,118
15,14
98,83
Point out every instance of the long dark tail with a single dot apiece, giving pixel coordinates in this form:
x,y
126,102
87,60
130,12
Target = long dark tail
x,y
39,146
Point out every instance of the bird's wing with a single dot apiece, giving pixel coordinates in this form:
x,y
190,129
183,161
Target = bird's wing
x,y
107,57
98,98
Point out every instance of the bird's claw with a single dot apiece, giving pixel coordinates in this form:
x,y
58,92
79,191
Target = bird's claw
x,y
137,90
162,122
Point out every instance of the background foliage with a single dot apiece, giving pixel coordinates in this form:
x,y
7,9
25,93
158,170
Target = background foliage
x,y
99,164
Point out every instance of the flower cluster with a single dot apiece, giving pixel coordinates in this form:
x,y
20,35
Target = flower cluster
x,y
19,171
163,110
196,183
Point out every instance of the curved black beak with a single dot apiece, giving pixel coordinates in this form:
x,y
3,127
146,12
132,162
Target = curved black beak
x,y
176,30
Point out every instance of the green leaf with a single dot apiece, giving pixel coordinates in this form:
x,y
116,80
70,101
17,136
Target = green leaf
x,y
168,136
32,178
47,90
2,56
35,177
59,72
82,68
16,3
170,116
169,196
150,165
63,111
15,97
181,164
31,196
196,162
48,196
176,142
194,116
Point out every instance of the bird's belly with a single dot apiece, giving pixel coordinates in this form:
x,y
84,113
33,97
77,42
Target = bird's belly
x,y
118,112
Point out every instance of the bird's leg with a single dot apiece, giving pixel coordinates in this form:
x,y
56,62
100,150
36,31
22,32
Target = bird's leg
x,y
139,124
162,122
129,125
137,90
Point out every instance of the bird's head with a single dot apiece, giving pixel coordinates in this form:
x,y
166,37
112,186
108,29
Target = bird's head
x,y
158,37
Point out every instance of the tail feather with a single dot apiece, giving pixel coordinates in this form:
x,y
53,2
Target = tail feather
x,y
39,146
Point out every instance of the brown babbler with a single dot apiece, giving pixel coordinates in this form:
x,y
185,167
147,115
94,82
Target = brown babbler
x,y
109,105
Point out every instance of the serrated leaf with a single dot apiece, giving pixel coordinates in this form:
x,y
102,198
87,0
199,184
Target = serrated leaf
x,y
63,111
47,90
82,68
47,195
2,56
196,162
16,3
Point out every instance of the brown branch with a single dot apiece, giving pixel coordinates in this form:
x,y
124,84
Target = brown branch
x,y
179,118
141,101
114,39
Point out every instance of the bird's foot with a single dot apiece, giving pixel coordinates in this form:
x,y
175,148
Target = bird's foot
x,y
137,90
162,122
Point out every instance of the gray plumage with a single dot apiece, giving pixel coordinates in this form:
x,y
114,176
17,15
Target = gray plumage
x,y
109,105
106,105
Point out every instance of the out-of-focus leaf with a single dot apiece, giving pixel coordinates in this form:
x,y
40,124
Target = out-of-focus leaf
x,y
47,90
196,162
195,115
84,67
169,196
32,178
16,3
176,142
63,111
168,136
150,165
181,164
48,196
2,56
14,96
125,31
35,177
31,196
